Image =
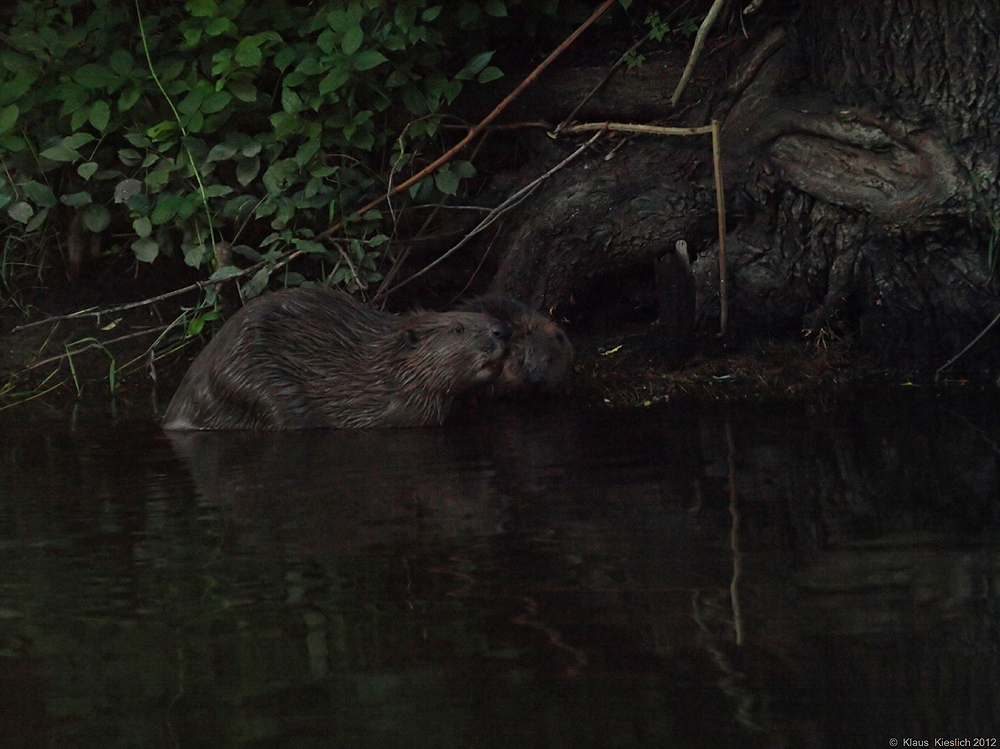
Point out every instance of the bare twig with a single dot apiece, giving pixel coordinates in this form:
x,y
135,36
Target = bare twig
x,y
699,43
720,207
628,128
95,344
960,354
98,313
495,214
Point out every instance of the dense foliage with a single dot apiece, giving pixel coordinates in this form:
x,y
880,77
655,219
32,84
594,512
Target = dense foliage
x,y
159,126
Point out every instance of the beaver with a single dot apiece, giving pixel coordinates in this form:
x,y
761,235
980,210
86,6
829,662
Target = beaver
x,y
317,357
540,356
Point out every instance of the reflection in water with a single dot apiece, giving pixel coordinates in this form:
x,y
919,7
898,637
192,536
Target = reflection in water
x,y
537,576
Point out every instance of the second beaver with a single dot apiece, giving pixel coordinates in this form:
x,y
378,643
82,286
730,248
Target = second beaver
x,y
314,357
540,356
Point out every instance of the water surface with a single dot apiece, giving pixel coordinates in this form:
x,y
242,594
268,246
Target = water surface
x,y
797,574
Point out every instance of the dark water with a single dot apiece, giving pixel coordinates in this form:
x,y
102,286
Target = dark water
x,y
777,575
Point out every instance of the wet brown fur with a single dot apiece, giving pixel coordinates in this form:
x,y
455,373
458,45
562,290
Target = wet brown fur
x,y
319,358
540,355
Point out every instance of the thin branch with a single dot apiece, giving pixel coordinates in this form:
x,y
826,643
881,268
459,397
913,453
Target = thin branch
x,y
699,43
720,207
94,344
960,354
95,312
495,214
625,127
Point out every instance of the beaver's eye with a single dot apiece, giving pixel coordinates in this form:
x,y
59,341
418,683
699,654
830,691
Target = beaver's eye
x,y
458,329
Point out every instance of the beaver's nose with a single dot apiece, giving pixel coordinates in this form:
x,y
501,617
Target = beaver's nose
x,y
501,331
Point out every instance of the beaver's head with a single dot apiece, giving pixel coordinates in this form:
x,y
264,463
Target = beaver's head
x,y
540,356
455,350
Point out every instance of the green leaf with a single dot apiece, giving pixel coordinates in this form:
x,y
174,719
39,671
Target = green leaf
x,y
220,26
226,271
87,169
201,8
221,152
451,90
126,189
396,79
306,151
490,73
95,76
191,38
194,255
368,59
100,114
285,125
309,246
39,194
216,102
333,81
13,143
128,98
291,102
474,66
495,8
257,284
60,153
463,169
138,140
446,181
21,212
143,226
414,101
14,89
76,199
166,209
247,170
96,217
431,13
38,221
279,175
192,102
8,116
121,61
145,249
194,122
242,90
284,58
352,40
248,52
162,130
77,139
129,156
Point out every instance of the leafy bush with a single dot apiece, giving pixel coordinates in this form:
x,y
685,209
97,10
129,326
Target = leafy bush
x,y
171,126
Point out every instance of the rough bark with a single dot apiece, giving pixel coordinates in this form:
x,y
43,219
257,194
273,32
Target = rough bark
x,y
861,164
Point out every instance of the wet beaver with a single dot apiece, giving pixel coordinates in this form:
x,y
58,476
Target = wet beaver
x,y
540,356
313,357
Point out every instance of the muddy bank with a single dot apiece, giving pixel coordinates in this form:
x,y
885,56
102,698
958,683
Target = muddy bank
x,y
624,369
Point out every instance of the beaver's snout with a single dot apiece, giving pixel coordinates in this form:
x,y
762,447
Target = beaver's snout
x,y
501,331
